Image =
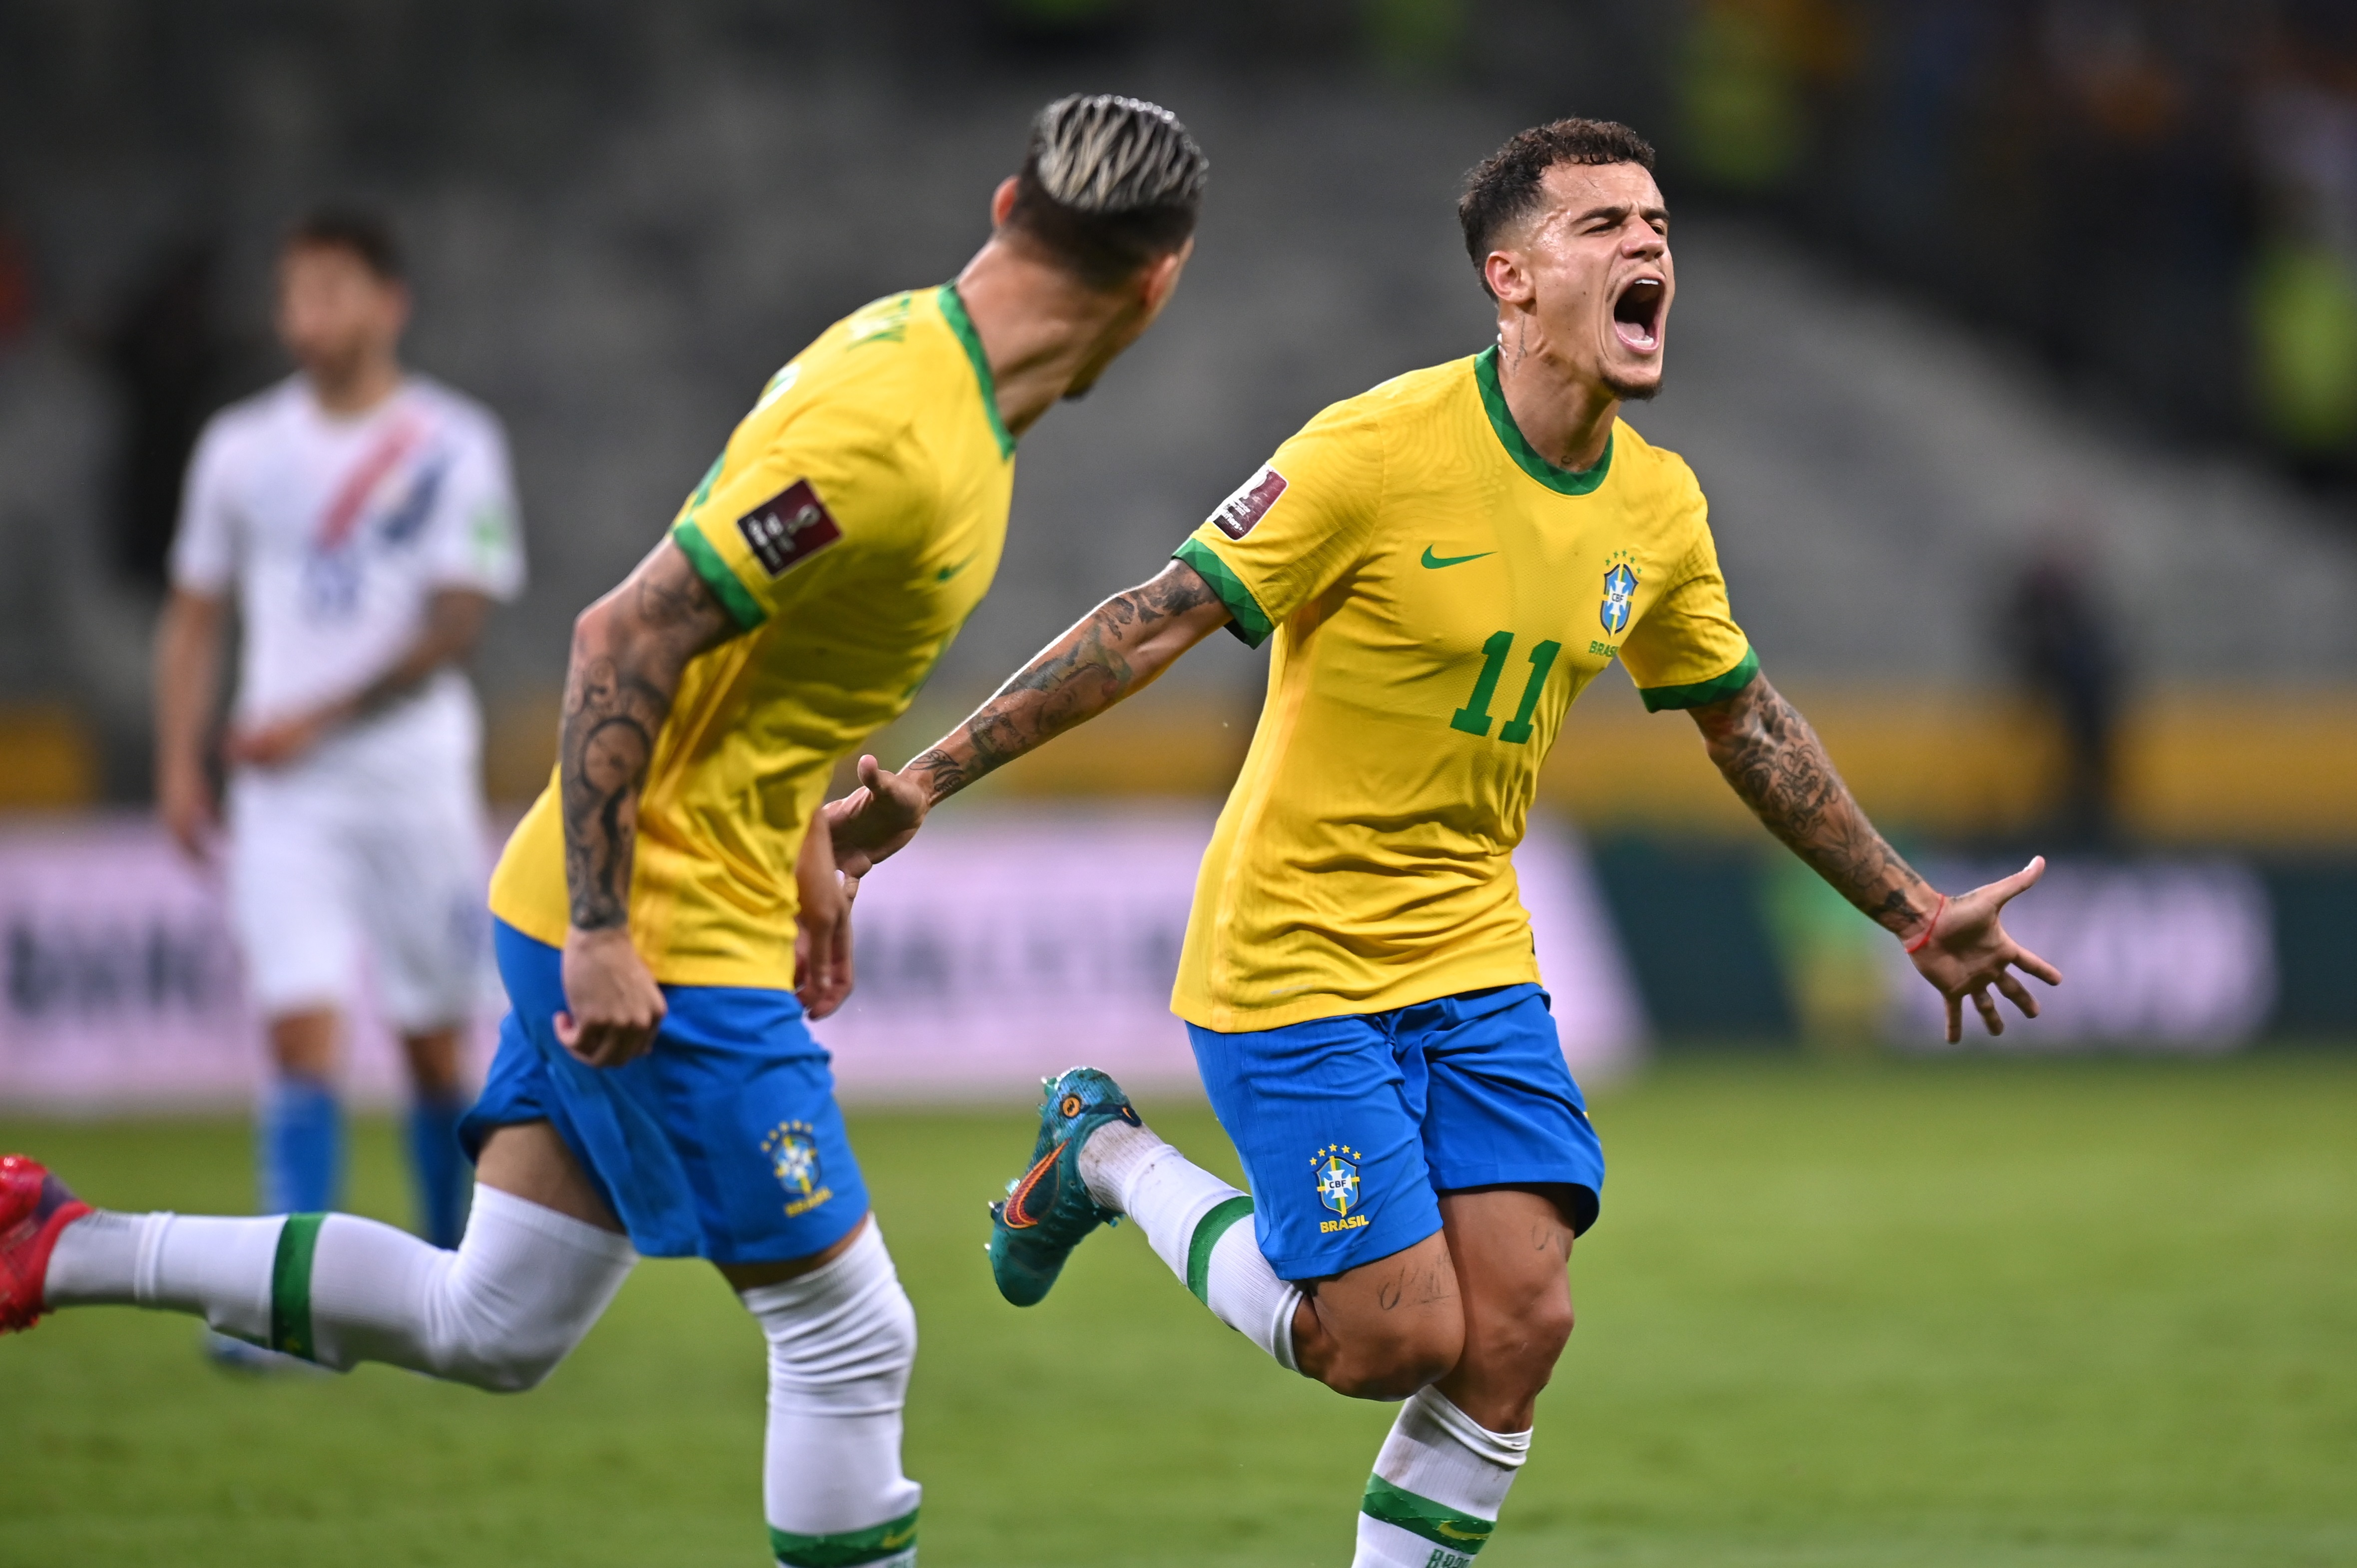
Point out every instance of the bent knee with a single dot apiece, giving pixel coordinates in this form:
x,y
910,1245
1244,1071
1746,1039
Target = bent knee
x,y
510,1363
510,1375
1522,1353
1395,1367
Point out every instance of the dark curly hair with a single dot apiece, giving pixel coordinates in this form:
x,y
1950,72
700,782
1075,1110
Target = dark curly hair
x,y
1503,189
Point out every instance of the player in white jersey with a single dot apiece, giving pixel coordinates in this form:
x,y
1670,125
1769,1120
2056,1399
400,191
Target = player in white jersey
x,y
363,519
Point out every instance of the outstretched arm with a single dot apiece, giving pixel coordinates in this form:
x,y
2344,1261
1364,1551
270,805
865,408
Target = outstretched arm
x,y
1118,649
628,649
1774,761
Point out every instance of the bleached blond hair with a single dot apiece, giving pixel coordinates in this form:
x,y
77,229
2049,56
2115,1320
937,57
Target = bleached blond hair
x,y
1108,184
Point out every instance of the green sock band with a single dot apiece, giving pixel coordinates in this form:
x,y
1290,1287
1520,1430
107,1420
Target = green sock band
x,y
1437,1522
1207,1231
290,1286
847,1549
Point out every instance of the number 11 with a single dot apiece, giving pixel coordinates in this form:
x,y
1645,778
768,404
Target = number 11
x,y
1473,718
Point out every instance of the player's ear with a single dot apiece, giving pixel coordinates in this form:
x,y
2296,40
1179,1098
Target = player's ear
x,y
1508,279
1002,201
396,308
1159,279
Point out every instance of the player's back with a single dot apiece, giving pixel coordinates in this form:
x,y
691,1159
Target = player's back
x,y
849,528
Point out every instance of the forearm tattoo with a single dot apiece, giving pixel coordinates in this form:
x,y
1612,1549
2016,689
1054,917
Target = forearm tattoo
x,y
1080,674
1776,763
625,671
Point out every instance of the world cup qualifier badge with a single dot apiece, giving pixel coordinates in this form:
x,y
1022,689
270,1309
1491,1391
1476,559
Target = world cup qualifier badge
x,y
1620,593
793,1151
1336,1167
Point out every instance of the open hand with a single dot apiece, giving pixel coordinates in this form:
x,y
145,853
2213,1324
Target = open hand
x,y
875,820
1969,952
277,743
614,1006
822,977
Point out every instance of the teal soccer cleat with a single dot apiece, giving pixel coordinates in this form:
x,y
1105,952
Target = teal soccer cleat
x,y
1048,1210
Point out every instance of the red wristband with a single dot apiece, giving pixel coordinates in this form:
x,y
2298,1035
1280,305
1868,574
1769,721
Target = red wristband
x,y
1929,927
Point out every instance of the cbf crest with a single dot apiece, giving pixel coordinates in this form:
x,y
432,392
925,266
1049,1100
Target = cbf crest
x,y
793,1151
1619,594
1336,1167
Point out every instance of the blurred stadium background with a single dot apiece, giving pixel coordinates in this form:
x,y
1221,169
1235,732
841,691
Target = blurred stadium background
x,y
2016,348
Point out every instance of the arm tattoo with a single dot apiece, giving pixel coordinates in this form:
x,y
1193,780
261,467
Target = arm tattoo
x,y
629,650
1775,762
1083,673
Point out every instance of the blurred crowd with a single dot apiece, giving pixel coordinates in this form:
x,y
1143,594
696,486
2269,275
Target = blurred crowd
x,y
2160,195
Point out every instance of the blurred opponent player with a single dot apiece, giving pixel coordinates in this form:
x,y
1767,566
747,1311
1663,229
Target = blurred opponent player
x,y
363,520
656,1086
1444,562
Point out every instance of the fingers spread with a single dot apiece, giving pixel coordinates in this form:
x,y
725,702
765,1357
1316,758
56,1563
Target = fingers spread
x,y
1955,1020
2020,882
2016,994
1991,1018
2031,963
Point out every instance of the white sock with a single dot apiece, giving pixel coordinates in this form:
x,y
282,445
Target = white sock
x,y
217,1269
519,1291
1439,1483
1195,1222
842,1340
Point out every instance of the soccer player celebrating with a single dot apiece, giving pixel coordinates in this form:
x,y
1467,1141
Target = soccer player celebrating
x,y
1443,564
364,518
659,911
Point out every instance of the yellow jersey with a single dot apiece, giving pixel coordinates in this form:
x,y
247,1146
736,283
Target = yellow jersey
x,y
1439,592
851,525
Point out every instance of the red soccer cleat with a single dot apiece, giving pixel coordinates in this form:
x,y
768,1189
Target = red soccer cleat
x,y
34,1206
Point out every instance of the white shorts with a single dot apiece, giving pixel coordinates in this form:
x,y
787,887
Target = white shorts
x,y
323,867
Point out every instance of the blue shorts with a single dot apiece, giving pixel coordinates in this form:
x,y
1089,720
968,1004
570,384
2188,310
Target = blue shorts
x,y
1350,1128
723,1142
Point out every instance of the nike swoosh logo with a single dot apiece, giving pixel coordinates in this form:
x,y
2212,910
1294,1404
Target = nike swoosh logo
x,y
1434,563
898,1539
946,572
1450,1531
1018,1216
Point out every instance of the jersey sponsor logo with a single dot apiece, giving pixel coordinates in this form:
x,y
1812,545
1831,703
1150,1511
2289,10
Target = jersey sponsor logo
x,y
789,528
792,1148
1620,598
1434,562
1239,513
1336,1169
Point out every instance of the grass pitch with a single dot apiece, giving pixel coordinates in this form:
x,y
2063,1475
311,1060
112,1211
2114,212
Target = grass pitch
x,y
1967,1314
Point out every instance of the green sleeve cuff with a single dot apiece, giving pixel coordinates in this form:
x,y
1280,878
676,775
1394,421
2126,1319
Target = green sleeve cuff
x,y
1245,618
742,606
1702,693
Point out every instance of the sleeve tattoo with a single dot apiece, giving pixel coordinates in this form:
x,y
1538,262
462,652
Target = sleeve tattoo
x,y
1775,762
628,653
1083,673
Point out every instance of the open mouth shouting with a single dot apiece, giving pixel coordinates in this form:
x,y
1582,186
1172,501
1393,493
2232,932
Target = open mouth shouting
x,y
1637,313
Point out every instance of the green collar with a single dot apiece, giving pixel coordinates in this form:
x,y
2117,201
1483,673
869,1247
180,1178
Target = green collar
x,y
1563,481
953,308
